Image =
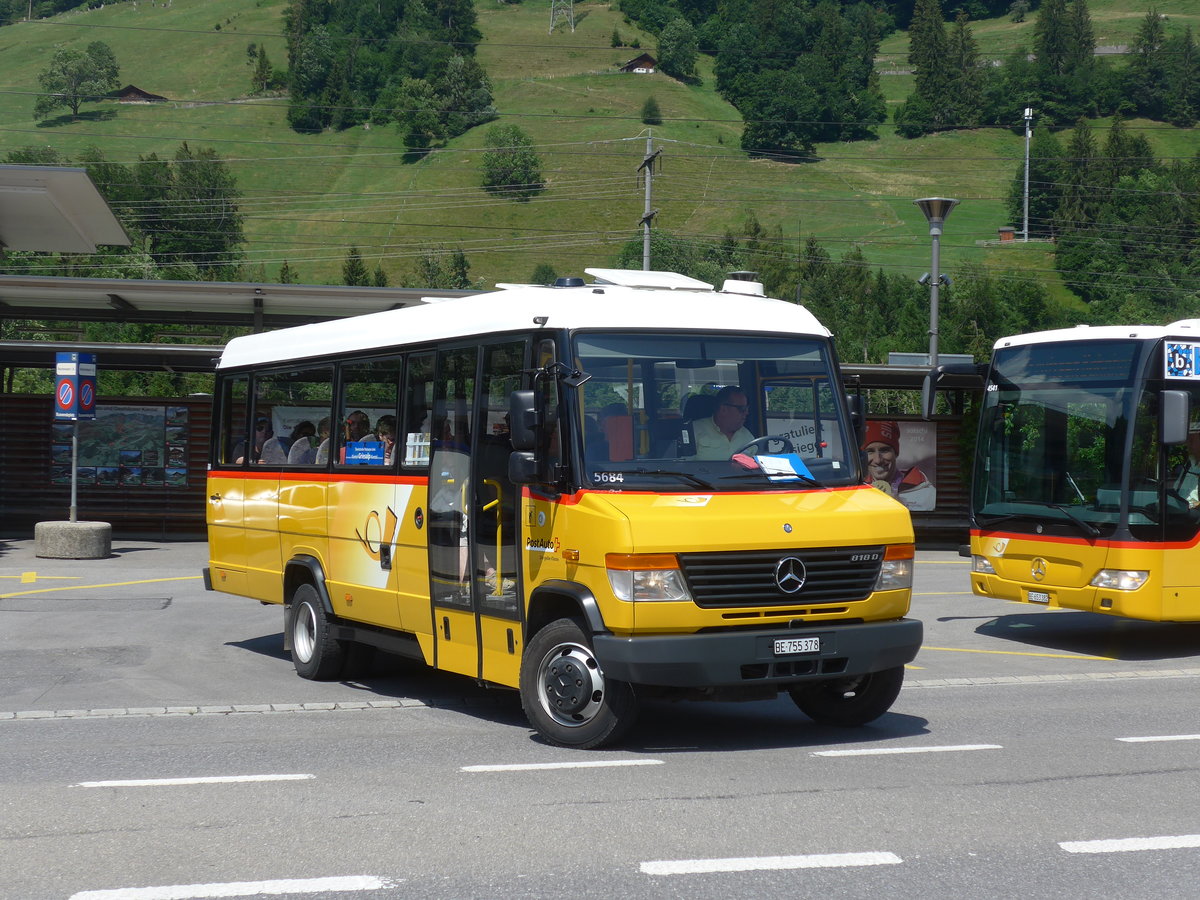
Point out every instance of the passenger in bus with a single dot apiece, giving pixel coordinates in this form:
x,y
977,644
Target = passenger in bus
x,y
262,433
910,486
304,451
385,433
275,451
353,429
723,433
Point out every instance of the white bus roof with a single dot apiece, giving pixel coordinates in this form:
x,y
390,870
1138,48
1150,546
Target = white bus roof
x,y
605,304
1184,328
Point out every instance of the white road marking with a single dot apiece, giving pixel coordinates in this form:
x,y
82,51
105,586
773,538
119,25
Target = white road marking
x,y
582,764
1160,737
212,779
756,863
337,884
1128,845
884,751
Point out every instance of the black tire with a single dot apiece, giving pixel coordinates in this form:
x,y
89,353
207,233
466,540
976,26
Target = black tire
x,y
850,702
564,693
316,654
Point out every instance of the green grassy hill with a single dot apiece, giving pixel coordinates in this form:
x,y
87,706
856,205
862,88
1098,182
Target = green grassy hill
x,y
308,198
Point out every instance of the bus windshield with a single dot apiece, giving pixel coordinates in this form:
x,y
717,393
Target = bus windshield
x,y
1053,436
682,412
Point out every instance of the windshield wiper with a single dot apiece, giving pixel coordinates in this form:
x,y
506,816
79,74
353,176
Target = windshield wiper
x,y
686,476
1086,527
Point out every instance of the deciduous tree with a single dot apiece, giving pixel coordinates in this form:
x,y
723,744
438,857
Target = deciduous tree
x,y
77,76
511,167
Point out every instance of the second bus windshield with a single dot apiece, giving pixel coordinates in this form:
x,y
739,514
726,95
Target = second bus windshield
x,y
1053,435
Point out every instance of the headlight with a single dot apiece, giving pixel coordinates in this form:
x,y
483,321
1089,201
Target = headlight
x,y
980,564
1120,579
646,576
895,574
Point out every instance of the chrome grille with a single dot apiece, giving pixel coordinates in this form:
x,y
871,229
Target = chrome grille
x,y
747,577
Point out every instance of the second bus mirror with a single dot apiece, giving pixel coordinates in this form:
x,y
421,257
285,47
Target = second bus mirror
x,y
858,418
1176,413
523,419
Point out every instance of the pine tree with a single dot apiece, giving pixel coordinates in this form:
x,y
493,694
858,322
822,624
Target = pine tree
x,y
354,270
1077,207
287,275
651,114
261,79
1183,79
379,278
928,53
1051,38
1081,44
1148,67
1124,153
965,95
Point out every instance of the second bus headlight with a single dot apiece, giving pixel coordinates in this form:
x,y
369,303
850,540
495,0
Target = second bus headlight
x,y
1120,579
646,576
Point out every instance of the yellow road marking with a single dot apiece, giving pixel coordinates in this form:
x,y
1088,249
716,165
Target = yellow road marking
x,y
31,577
1021,653
78,587
943,594
911,666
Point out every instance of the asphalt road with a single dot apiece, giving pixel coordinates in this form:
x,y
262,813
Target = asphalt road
x,y
155,742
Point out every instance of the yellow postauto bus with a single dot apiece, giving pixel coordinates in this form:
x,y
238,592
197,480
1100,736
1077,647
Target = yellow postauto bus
x,y
593,492
1084,494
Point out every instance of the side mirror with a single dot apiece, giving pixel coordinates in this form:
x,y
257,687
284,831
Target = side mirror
x,y
1175,412
522,467
929,393
858,417
933,377
523,420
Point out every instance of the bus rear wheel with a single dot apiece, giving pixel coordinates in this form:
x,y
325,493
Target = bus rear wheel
x,y
566,696
316,654
850,702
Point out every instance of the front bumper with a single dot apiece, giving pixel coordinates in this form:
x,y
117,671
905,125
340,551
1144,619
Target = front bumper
x,y
731,658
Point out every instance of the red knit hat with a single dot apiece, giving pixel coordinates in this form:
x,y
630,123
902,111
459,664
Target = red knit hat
x,y
884,432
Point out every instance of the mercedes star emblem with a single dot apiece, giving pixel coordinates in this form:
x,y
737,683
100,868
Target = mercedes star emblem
x,y
1038,568
790,574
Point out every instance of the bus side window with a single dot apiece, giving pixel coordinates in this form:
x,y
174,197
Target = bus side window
x,y
234,425
299,401
366,431
416,427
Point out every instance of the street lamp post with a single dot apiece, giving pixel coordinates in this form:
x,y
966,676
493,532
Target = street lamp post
x,y
936,209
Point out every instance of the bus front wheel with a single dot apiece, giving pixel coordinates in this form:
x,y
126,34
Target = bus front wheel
x,y
316,654
850,702
566,696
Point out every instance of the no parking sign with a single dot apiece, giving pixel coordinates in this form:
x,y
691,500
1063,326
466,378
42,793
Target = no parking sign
x,y
75,386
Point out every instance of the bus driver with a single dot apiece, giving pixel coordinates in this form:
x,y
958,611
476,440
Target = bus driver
x,y
725,432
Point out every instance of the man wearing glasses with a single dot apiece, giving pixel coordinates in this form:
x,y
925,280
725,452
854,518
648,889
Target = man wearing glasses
x,y
725,432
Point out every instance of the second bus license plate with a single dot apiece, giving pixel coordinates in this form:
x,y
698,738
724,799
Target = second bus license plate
x,y
784,646
1039,597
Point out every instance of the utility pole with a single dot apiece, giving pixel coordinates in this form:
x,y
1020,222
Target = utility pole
x,y
648,214
1028,132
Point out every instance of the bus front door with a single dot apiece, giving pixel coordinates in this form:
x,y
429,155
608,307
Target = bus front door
x,y
474,579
